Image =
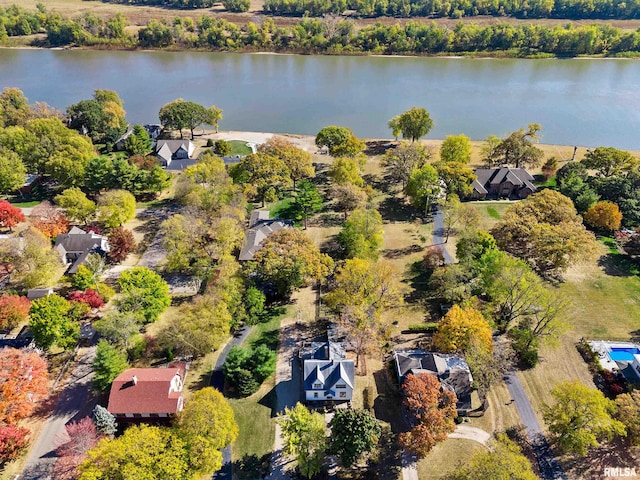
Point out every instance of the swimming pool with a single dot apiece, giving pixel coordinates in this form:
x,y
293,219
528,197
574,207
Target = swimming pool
x,y
623,354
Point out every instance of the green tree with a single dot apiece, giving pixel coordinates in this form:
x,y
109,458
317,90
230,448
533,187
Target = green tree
x,y
104,421
545,231
423,188
353,434
103,117
75,204
580,417
13,173
143,292
394,125
401,161
504,461
263,176
115,208
222,148
305,438
141,452
118,328
362,291
345,171
14,109
299,163
456,148
254,301
307,201
518,149
459,215
628,412
107,365
457,178
36,264
609,161
340,141
51,322
180,114
361,235
288,258
208,425
415,123
139,142
201,327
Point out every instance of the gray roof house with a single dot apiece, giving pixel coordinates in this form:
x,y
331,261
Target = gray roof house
x,y
327,375
452,371
154,130
36,293
260,227
76,245
502,182
122,141
170,150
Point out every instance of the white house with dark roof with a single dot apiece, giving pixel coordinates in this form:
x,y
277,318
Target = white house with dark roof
x,y
327,375
260,227
170,150
451,370
502,182
76,245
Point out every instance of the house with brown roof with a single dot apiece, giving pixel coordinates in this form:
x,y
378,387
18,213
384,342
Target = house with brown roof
x,y
147,393
260,227
503,182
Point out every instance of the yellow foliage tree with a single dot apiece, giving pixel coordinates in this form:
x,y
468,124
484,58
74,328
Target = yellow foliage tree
x,y
459,327
604,216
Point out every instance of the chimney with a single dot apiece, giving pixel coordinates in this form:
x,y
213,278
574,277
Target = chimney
x,y
134,379
326,351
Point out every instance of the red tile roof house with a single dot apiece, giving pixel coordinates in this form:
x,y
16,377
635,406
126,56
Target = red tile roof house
x,y
147,394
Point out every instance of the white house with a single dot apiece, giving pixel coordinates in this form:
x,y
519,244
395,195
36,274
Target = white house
x,y
327,374
75,246
170,150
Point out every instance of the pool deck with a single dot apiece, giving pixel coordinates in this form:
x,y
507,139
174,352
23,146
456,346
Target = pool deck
x,y
603,348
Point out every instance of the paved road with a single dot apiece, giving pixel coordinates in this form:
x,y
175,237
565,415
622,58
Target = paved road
x,y
439,235
73,403
550,469
217,381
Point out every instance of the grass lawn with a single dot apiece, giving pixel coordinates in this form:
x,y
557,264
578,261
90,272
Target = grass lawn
x,y
283,209
239,147
490,212
446,457
29,204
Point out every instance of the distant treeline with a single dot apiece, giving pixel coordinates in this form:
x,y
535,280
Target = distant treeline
x,y
334,35
568,9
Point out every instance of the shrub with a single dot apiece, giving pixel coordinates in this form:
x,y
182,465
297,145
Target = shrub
x,y
242,363
13,441
222,148
137,349
89,297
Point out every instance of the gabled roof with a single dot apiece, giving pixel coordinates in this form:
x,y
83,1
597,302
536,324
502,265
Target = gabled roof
x,y
164,152
328,372
486,177
149,393
451,370
260,227
175,145
322,351
79,241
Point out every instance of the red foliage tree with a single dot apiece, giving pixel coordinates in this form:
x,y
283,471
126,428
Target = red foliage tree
x,y
13,441
80,437
49,220
13,310
89,296
23,379
121,242
433,411
10,216
143,162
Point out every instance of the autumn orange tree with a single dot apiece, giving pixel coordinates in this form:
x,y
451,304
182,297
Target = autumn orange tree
x,y
13,310
604,216
432,411
49,220
23,379
10,216
13,441
459,328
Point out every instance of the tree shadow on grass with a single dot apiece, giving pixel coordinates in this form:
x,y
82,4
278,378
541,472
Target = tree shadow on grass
x,y
394,209
616,453
618,265
252,466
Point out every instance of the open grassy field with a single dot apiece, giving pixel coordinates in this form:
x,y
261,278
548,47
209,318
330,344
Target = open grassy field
x,y
446,457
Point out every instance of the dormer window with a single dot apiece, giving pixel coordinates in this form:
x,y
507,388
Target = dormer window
x,y
317,385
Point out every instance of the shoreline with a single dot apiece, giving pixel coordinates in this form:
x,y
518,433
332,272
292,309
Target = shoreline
x,y
499,54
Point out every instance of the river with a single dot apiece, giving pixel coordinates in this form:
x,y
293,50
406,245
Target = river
x,y
588,102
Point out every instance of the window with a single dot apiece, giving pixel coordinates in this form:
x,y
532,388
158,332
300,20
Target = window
x,y
137,415
317,385
315,394
154,415
341,386
343,394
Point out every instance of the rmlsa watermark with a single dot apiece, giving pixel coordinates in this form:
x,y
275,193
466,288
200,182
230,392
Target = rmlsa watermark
x,y
620,472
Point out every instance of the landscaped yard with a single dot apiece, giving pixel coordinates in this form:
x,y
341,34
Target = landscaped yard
x,y
239,147
490,212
